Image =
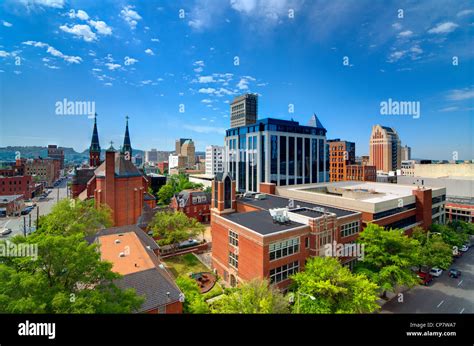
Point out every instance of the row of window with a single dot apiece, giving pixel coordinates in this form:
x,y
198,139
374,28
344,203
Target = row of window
x,y
233,238
284,272
349,229
284,248
233,260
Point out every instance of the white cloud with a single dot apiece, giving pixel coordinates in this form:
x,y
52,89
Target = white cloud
x,y
155,40
4,54
198,69
79,14
206,101
405,33
129,61
206,79
460,94
52,67
449,109
7,24
81,30
397,26
199,63
395,56
146,82
207,90
112,66
130,16
97,69
101,27
443,28
149,51
270,11
243,84
54,52
45,3
465,13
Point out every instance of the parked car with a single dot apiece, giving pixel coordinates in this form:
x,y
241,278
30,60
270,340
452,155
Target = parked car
x,y
425,278
436,272
26,211
188,243
464,248
454,273
5,231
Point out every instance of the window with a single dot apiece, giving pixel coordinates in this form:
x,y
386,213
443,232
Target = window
x,y
349,229
284,272
233,238
233,260
306,242
284,248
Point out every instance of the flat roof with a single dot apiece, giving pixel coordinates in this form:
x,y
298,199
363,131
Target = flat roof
x,y
136,257
261,222
272,201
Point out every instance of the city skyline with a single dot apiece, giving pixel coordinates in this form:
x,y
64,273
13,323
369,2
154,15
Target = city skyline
x,y
175,75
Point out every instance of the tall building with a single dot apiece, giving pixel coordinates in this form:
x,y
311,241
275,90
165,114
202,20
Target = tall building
x,y
406,153
244,110
127,146
151,156
214,159
341,154
276,151
43,170
179,143
94,149
385,149
185,147
56,153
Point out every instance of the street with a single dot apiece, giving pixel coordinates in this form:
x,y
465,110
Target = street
x,y
16,223
443,295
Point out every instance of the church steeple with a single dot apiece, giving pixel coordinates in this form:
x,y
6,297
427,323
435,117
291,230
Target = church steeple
x,y
127,147
94,150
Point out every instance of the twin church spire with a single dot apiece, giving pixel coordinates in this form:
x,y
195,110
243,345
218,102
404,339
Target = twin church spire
x,y
94,149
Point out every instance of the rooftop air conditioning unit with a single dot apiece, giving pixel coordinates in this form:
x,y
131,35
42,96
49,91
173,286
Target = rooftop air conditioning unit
x,y
117,241
260,196
122,254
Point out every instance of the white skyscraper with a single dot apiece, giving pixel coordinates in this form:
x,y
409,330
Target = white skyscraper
x,y
214,159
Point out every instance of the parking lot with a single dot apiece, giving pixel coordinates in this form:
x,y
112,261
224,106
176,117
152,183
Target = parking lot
x,y
16,223
443,294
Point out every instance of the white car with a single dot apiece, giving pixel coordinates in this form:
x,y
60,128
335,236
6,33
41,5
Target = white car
x,y
464,248
436,272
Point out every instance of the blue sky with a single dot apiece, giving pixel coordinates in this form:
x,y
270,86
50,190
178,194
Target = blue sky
x,y
144,60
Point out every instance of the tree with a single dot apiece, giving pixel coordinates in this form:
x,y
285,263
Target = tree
x,y
67,276
434,251
208,189
388,257
73,216
453,236
334,289
165,194
253,297
174,227
194,302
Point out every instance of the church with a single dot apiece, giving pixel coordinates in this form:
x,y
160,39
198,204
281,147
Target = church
x,y
115,182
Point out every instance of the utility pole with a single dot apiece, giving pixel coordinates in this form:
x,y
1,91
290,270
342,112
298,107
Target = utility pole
x,y
29,220
24,226
37,217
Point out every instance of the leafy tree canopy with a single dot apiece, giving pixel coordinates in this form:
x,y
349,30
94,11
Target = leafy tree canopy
x,y
174,227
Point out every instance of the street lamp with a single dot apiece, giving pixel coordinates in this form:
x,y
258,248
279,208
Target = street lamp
x,y
292,298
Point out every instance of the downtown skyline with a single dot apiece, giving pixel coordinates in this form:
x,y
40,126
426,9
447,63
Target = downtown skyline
x,y
148,61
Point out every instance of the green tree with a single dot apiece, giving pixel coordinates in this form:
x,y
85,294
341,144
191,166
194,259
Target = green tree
x,y
325,286
174,227
388,257
208,189
194,302
67,276
451,234
165,194
434,251
73,216
253,297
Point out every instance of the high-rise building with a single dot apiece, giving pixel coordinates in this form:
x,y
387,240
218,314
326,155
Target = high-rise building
x,y
127,146
406,153
341,154
151,156
57,154
385,149
214,159
94,149
276,151
244,110
189,151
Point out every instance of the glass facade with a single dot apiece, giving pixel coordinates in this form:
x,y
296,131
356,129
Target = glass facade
x,y
274,159
283,159
291,160
307,158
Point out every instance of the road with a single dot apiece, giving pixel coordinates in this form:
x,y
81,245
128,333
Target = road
x,y
443,295
45,206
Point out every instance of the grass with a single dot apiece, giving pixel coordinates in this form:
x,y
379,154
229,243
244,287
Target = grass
x,y
185,264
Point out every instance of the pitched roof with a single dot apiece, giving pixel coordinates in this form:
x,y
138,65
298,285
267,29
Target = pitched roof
x,y
154,284
82,175
187,197
123,168
144,238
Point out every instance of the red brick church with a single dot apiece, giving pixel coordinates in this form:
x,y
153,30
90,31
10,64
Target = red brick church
x,y
115,182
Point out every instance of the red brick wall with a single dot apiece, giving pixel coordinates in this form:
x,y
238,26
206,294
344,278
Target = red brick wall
x,y
267,188
17,185
423,206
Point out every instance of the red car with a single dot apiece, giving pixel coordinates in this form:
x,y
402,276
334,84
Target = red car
x,y
425,278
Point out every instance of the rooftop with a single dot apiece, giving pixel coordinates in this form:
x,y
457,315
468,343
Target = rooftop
x,y
261,222
9,198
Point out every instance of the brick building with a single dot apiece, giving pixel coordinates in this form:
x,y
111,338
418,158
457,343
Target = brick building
x,y
43,170
193,203
133,254
268,236
17,185
162,166
341,154
11,205
13,169
56,153
360,173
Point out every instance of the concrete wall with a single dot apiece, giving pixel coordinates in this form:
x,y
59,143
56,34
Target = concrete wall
x,y
444,170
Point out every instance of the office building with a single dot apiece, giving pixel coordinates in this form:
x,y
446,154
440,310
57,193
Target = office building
x,y
276,151
341,154
151,156
185,147
408,168
360,173
56,153
270,237
385,149
244,110
406,153
214,159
